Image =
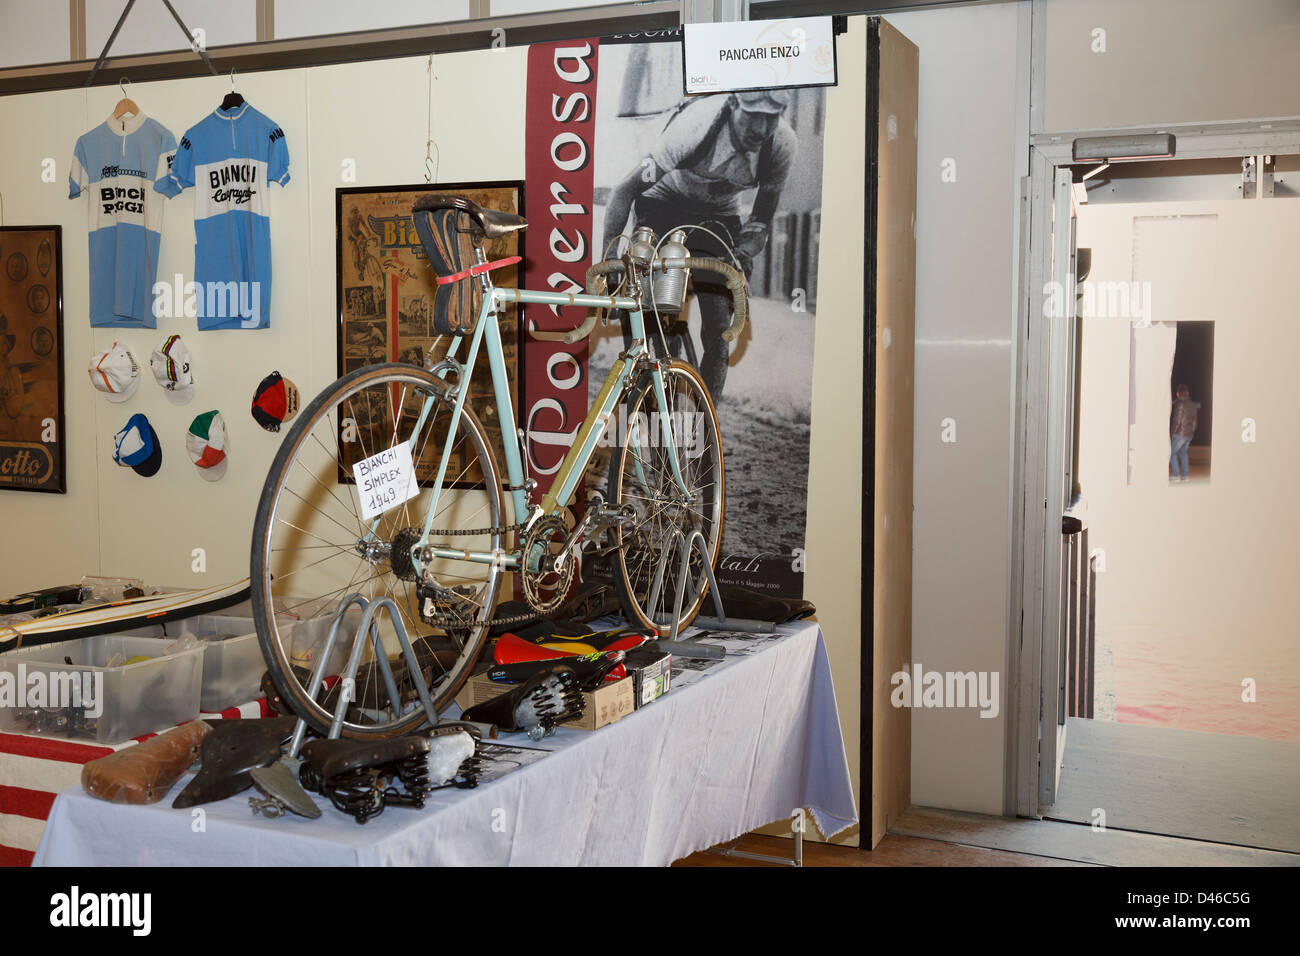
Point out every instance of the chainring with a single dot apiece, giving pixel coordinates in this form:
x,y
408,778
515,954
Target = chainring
x,y
544,585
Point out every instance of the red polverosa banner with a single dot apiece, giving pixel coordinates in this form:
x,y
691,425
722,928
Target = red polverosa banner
x,y
558,186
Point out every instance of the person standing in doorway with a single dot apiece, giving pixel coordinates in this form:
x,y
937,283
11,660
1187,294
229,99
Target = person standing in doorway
x,y
1182,426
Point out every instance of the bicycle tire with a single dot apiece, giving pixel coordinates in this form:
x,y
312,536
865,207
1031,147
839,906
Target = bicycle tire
x,y
309,505
634,561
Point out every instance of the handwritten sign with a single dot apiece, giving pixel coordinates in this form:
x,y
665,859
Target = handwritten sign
x,y
385,480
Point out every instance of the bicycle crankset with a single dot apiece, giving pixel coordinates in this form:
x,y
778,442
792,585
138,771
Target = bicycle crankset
x,y
548,564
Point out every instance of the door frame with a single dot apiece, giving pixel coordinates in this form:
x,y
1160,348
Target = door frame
x,y
1042,371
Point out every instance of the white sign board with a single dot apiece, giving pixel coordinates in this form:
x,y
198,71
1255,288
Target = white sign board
x,y
385,480
759,54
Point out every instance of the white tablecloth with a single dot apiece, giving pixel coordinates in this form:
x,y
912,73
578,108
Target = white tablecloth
x,y
742,746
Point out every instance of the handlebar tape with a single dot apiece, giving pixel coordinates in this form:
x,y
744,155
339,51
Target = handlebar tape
x,y
734,278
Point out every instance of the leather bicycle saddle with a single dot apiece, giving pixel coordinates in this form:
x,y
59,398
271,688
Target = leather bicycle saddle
x,y
536,706
490,223
229,753
332,758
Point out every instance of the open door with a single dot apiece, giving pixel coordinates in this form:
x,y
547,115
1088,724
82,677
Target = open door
x,y
1044,464
1059,572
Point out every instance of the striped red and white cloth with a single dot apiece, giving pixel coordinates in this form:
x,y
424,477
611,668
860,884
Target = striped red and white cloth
x,y
33,769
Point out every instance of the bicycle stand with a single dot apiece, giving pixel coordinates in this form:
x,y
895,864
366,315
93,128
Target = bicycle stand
x,y
369,627
684,545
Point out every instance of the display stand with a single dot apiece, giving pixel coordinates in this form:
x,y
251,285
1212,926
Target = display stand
x,y
368,627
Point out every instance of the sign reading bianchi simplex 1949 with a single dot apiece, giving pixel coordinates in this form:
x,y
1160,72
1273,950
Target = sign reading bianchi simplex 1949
x,y
759,54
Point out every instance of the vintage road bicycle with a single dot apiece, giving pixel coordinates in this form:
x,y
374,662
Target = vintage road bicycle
x,y
435,562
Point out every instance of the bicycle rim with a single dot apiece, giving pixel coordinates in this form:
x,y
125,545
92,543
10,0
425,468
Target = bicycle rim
x,y
641,478
312,549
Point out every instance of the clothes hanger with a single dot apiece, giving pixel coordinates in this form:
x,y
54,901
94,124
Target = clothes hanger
x,y
233,100
125,105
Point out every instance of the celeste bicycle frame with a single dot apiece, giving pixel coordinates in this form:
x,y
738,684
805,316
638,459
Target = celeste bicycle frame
x,y
487,333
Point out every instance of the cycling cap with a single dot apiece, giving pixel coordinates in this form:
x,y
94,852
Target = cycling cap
x,y
763,101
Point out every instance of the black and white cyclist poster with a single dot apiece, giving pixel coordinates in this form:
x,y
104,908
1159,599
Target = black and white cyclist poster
x,y
748,168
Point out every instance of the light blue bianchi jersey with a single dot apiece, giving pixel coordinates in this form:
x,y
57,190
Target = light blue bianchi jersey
x,y
230,158
115,164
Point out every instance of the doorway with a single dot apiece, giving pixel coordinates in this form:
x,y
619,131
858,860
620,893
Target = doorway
x,y
1191,602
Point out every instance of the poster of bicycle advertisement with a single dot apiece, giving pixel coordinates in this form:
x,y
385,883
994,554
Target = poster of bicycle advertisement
x,y
613,137
386,299
31,359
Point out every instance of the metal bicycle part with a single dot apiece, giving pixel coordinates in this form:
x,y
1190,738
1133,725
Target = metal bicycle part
x,y
312,547
547,564
642,479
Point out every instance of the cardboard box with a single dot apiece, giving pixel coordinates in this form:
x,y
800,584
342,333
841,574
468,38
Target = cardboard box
x,y
650,673
606,704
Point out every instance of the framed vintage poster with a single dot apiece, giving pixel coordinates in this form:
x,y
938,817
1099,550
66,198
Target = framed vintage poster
x,y
31,359
386,288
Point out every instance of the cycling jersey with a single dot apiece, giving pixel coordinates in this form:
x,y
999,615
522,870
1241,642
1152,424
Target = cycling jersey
x,y
116,163
230,157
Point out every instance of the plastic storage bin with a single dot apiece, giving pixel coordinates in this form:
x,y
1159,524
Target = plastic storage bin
x,y
116,703
309,640
232,663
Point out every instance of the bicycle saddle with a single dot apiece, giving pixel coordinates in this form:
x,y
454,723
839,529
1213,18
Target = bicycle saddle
x,y
542,643
490,223
591,669
229,753
536,706
332,758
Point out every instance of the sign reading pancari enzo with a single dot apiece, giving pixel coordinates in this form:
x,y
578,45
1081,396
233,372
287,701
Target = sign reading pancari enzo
x,y
759,54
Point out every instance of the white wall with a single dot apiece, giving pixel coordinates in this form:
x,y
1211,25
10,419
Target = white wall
x,y
32,31
964,311
1169,61
112,521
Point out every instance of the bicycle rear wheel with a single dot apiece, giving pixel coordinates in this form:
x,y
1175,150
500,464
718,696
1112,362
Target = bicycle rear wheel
x,y
641,479
312,549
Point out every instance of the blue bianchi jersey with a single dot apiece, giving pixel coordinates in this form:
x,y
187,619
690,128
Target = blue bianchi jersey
x,y
115,165
230,158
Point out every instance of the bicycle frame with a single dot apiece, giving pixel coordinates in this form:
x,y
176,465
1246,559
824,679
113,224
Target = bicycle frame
x,y
487,332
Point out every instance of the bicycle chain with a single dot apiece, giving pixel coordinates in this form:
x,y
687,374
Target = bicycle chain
x,y
446,620
462,532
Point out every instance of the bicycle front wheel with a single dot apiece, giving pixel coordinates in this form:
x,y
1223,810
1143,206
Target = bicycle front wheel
x,y
313,549
647,562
